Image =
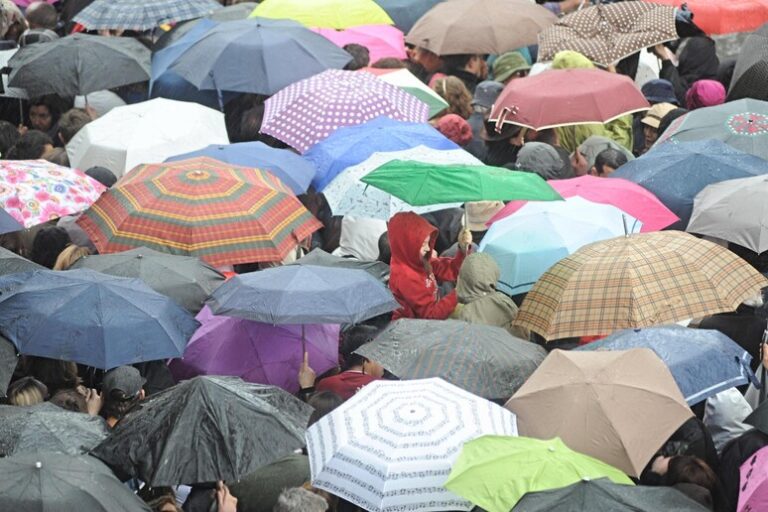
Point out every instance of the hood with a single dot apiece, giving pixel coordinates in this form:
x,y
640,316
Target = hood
x,y
569,59
477,277
407,232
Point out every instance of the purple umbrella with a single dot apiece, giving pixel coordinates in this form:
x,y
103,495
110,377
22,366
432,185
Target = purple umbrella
x,y
256,352
308,111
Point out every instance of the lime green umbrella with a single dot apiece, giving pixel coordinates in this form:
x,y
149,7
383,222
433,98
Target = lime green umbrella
x,y
339,14
494,472
422,184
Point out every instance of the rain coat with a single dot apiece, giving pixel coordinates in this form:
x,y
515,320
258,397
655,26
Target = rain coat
x,y
414,288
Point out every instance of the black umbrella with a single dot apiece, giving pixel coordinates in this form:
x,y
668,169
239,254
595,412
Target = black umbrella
x,y
759,418
8,360
750,75
205,429
53,482
12,263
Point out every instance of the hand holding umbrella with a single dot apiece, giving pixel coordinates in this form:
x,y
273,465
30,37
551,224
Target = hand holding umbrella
x,y
306,373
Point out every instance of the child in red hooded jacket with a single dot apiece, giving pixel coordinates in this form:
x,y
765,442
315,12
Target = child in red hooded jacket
x,y
414,269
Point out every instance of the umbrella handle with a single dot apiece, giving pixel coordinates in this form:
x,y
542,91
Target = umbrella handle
x,y
503,116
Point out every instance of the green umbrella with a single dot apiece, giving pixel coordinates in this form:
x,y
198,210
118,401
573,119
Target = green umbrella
x,y
494,472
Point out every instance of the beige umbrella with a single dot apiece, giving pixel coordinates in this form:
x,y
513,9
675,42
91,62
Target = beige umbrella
x,y
619,407
637,281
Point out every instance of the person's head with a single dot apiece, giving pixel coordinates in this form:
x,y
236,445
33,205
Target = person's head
x,y
122,389
71,122
477,277
71,254
691,470
297,499
323,403
351,340
510,66
43,114
659,91
652,120
54,373
37,35
30,146
9,135
427,60
455,128
471,63
102,175
41,15
569,59
163,503
540,158
453,91
70,399
480,212
389,63
704,93
48,244
503,144
27,391
607,161
486,94
384,252
361,57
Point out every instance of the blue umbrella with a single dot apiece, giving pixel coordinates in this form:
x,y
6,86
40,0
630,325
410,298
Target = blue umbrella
x,y
405,13
703,362
292,169
676,171
91,318
351,145
7,223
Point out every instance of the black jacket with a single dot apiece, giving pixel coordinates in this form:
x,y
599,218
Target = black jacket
x,y
698,61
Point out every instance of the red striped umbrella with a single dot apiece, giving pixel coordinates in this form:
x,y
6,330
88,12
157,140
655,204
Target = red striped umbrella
x,y
200,207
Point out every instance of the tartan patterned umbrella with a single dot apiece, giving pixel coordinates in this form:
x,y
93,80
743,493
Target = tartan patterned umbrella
x,y
200,207
141,14
637,281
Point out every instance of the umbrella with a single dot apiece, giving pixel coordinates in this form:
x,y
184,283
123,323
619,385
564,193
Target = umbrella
x,y
308,111
141,15
256,352
637,281
220,213
290,168
188,281
79,64
751,70
238,11
564,97
338,14
205,429
408,82
618,407
91,318
733,210
623,194
36,191
8,224
56,482
8,361
753,493
150,131
703,362
9,92
320,258
724,18
494,472
540,234
484,360
391,446
250,56
352,145
303,294
605,496
675,173
607,33
382,41
347,195
12,263
405,13
47,427
479,26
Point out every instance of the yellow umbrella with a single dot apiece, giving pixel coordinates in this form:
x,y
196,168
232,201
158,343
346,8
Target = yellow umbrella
x,y
338,14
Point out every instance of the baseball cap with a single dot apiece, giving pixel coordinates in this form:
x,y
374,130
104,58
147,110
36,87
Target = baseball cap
x,y
657,112
486,93
123,378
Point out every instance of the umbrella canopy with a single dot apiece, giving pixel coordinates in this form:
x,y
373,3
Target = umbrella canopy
x,y
46,427
200,207
290,168
8,361
57,482
141,15
408,82
382,41
238,11
12,263
479,26
540,234
338,14
352,145
751,69
307,112
623,194
8,224
405,13
606,33
494,472
484,360
79,64
205,429
619,407
703,362
564,97
145,132
724,18
188,281
91,318
733,210
637,281
303,294
675,173
320,258
9,92
391,446
255,351
753,493
36,191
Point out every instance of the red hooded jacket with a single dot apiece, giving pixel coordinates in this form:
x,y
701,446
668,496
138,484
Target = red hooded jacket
x,y
414,289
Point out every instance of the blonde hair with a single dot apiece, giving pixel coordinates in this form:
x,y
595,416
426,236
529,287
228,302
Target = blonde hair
x,y
453,90
27,391
69,256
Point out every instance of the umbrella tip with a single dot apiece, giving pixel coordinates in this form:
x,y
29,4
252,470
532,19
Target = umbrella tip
x,y
551,448
38,464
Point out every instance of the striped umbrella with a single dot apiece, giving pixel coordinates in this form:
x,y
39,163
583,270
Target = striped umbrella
x,y
141,14
200,207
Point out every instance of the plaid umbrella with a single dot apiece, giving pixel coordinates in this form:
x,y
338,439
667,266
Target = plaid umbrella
x,y
606,33
637,281
141,14
308,111
200,207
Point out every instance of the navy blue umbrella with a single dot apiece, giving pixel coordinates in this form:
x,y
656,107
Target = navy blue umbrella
x,y
703,362
405,13
7,223
91,318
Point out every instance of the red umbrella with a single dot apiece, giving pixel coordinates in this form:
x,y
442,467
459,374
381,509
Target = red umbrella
x,y
724,17
562,97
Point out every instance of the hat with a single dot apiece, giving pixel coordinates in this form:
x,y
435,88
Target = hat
x,y
102,175
596,144
541,159
659,91
704,93
509,64
508,131
123,378
486,93
657,112
480,212
455,128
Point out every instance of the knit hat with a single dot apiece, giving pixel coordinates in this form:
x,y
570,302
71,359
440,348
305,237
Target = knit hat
x,y
541,159
657,112
455,128
509,64
705,93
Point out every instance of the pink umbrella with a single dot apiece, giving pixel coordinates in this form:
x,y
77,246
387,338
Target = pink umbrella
x,y
623,194
382,41
753,489
25,3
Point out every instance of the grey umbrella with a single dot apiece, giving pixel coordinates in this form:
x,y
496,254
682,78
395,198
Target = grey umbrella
x,y
750,75
229,13
12,263
8,360
79,64
320,258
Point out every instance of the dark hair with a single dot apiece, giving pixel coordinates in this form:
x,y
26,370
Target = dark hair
x,y
9,134
102,175
54,373
547,136
613,158
26,391
71,122
351,340
459,61
385,252
54,105
691,470
250,126
361,57
323,402
48,244
117,404
43,15
29,146
669,118
389,63
57,156
70,399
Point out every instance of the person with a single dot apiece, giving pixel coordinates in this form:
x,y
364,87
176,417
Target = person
x,y
9,135
27,391
704,93
31,145
669,118
659,91
471,69
583,159
41,15
510,66
297,499
44,116
455,128
84,400
455,93
651,123
485,96
69,256
71,122
163,503
122,389
48,244
542,159
385,254
428,64
415,269
607,161
361,57
502,145
210,496
69,222
691,476
55,374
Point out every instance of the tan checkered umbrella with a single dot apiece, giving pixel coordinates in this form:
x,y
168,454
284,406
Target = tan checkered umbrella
x,y
637,281
606,33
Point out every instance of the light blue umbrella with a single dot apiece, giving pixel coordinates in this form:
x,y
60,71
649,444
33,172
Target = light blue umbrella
x,y
703,362
541,233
